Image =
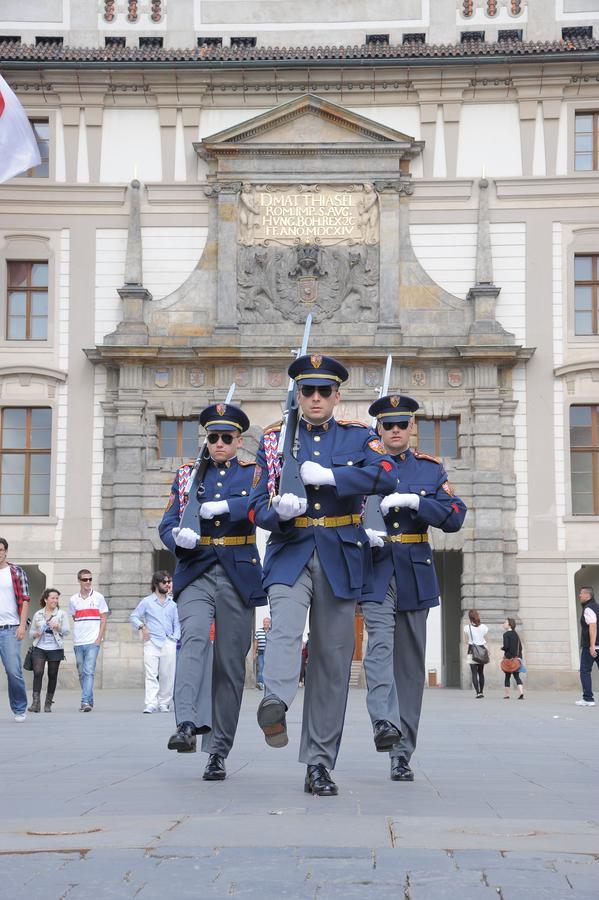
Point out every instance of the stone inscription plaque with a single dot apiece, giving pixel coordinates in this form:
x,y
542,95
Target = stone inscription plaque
x,y
324,214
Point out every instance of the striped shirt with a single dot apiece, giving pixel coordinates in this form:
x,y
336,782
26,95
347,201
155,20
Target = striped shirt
x,y
87,615
260,640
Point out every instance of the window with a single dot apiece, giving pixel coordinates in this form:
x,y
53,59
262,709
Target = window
x,y
243,41
41,130
178,437
586,284
377,38
210,42
509,34
584,460
467,36
586,146
114,41
27,301
579,31
417,37
25,441
149,42
49,39
438,437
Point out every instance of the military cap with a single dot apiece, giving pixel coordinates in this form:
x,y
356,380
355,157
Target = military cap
x,y
393,408
224,417
316,369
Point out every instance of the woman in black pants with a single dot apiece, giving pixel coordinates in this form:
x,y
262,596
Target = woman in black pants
x,y
512,649
475,633
48,628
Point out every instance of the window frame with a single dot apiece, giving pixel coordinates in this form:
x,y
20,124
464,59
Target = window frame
x,y
29,290
179,420
27,248
593,449
35,120
594,285
436,420
574,109
29,452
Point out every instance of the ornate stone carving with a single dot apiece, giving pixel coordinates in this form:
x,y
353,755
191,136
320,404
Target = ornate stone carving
x,y
401,186
278,283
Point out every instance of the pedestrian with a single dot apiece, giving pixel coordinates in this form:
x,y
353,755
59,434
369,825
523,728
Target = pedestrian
x,y
89,612
217,581
49,627
512,658
317,560
589,644
157,619
14,607
405,583
259,648
474,635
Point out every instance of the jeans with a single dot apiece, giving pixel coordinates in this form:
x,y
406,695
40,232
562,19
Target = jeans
x,y
86,656
259,668
10,654
586,668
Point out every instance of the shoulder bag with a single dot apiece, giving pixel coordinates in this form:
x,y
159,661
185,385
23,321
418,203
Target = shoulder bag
x,y
479,653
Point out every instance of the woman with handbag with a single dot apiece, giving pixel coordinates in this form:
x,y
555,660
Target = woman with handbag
x,y
512,658
48,628
478,655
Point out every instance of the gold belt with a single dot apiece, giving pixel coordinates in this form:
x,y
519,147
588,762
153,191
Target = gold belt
x,y
328,521
228,541
406,538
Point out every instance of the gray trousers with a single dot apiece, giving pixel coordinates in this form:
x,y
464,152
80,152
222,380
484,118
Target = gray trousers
x,y
209,678
394,667
329,664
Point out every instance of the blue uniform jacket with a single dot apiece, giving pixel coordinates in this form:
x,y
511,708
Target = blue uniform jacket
x,y
361,467
230,481
412,564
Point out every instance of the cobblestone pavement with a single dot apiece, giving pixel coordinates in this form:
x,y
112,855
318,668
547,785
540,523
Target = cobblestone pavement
x,y
504,805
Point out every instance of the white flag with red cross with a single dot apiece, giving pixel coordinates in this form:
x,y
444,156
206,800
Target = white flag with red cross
x,y
18,146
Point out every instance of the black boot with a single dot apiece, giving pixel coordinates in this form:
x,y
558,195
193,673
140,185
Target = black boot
x,y
184,738
49,702
400,770
215,769
35,702
318,781
386,735
271,719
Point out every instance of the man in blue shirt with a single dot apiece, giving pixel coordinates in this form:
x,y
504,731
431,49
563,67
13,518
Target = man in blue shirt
x,y
156,617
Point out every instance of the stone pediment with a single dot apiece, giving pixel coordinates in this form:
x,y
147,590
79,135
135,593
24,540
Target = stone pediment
x,y
307,121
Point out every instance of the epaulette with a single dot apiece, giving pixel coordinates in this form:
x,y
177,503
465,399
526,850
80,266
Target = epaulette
x,y
246,462
419,455
351,422
276,426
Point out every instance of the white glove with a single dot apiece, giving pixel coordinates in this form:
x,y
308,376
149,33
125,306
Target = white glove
x,y
403,501
186,538
289,506
314,473
213,508
375,537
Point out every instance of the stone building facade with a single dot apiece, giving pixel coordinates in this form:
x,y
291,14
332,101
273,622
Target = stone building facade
x,y
420,200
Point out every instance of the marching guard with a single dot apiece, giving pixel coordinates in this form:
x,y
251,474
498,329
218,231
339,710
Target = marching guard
x,y
317,560
405,583
218,579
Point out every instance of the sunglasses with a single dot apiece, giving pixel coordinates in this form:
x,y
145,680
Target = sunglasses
x,y
85,579
166,581
214,437
389,425
324,390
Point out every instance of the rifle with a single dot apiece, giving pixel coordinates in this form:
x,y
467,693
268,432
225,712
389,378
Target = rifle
x,y
373,517
290,481
194,488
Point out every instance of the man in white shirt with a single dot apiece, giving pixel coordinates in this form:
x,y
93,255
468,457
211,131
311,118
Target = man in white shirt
x,y
89,611
14,606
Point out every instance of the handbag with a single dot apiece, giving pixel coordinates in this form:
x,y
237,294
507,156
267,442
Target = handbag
x,y
511,665
28,661
479,654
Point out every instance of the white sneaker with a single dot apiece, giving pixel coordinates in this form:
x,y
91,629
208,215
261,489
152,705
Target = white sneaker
x,y
585,702
20,717
163,709
150,709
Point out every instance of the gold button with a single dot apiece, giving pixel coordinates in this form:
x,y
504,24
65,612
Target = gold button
x,y
317,453
217,496
402,456
254,561
317,506
423,493
222,472
396,508
359,543
396,524
219,484
350,462
316,437
217,522
316,487
428,562
243,493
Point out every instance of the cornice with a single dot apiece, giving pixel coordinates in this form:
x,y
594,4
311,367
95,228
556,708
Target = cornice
x,y
46,374
577,368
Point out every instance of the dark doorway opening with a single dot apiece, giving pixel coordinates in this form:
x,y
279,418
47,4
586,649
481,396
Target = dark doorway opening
x,y
449,564
37,586
163,559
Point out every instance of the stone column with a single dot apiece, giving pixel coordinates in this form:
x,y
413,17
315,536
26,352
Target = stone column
x,y
168,134
551,114
70,120
451,118
428,128
528,117
93,120
226,302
